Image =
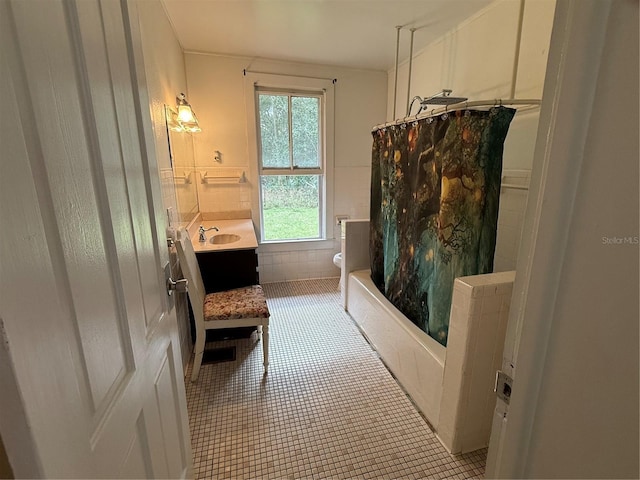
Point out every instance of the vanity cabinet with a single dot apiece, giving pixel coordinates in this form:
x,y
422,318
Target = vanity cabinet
x,y
228,269
227,265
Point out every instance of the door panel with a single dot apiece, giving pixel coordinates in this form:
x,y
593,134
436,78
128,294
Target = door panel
x,y
85,316
135,465
167,398
138,191
88,271
32,287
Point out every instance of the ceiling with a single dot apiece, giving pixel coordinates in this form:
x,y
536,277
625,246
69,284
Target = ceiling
x,y
353,33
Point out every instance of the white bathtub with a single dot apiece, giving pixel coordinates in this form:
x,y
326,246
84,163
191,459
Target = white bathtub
x,y
414,358
452,386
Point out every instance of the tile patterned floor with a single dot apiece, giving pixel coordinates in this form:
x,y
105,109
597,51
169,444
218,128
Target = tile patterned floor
x,y
328,407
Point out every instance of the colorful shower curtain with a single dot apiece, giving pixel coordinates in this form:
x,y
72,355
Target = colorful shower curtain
x,y
435,188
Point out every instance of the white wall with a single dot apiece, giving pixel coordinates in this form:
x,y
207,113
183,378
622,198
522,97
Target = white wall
x,y
165,72
216,92
164,66
476,60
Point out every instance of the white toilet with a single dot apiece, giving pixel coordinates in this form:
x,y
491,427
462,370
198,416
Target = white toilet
x,y
337,260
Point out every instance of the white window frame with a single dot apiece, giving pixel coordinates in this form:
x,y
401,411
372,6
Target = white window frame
x,y
265,83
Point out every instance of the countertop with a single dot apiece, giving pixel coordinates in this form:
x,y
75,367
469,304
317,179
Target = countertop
x,y
242,227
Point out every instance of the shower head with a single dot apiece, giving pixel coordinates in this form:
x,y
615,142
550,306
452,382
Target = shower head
x,y
442,101
440,98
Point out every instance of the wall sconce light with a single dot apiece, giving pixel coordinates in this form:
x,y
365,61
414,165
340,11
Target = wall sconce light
x,y
186,117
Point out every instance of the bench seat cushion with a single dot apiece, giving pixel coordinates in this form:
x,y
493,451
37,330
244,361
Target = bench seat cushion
x,y
245,302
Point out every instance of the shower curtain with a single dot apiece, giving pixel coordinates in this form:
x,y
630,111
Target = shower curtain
x,y
435,188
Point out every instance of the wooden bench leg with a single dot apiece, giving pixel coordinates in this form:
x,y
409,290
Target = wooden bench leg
x,y
197,359
265,346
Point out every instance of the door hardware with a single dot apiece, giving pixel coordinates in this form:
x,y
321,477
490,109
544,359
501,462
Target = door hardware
x,y
181,286
502,387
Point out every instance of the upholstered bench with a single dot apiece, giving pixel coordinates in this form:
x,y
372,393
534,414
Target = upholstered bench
x,y
240,307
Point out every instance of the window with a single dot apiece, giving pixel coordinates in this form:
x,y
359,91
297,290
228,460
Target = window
x,y
290,126
291,164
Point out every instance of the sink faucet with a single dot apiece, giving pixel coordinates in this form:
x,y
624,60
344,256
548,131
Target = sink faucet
x,y
201,233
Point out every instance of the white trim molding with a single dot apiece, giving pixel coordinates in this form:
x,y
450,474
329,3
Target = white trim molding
x,y
291,82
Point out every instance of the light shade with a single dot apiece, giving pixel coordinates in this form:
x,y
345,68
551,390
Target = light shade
x,y
186,116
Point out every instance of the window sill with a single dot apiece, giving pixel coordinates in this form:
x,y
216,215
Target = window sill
x,y
299,245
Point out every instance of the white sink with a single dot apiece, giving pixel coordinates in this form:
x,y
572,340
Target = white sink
x,y
223,238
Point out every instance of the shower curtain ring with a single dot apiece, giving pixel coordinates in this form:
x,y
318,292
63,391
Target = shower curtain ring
x,y
445,115
492,110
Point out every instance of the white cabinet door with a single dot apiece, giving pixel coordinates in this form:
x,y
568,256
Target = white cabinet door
x,y
91,376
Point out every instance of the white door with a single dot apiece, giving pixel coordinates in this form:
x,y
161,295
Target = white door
x,y
91,380
574,69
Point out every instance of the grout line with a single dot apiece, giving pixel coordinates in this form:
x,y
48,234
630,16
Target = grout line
x,y
329,407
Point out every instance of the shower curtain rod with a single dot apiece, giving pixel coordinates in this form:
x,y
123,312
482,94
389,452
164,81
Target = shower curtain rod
x,y
459,106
